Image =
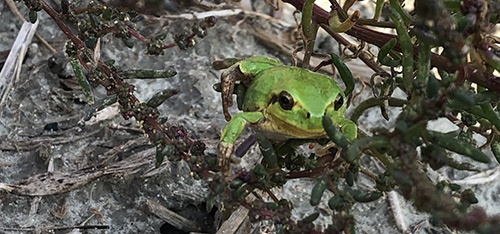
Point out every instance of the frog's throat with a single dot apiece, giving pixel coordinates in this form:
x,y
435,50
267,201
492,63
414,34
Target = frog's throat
x,y
276,128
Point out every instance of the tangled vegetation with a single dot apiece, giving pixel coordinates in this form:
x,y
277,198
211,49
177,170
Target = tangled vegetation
x,y
444,58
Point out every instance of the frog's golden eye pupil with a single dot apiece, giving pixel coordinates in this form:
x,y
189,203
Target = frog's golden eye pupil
x,y
339,101
285,100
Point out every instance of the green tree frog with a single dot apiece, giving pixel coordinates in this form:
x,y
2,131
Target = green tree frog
x,y
282,102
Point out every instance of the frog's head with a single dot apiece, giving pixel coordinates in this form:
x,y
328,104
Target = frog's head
x,y
296,110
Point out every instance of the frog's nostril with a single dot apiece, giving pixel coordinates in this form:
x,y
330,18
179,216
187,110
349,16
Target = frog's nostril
x,y
308,115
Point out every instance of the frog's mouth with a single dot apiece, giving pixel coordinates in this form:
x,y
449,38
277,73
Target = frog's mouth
x,y
276,128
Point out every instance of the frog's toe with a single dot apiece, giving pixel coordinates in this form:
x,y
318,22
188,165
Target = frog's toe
x,y
224,150
235,160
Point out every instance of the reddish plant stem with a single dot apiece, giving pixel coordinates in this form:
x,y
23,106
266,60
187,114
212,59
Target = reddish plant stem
x,y
137,35
306,174
362,33
312,172
64,28
169,45
363,56
117,82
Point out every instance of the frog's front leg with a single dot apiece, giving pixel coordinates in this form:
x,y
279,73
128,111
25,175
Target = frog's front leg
x,y
239,70
229,135
228,81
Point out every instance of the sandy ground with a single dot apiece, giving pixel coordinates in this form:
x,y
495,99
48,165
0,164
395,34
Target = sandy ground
x,y
117,200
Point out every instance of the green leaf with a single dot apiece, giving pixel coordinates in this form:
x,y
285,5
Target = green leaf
x,y
267,149
336,202
33,16
82,80
360,144
490,114
383,56
364,196
317,191
333,132
161,97
310,218
451,143
149,74
406,46
423,62
432,86
495,148
345,74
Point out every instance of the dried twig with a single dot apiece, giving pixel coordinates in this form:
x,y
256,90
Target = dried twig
x,y
48,229
51,183
171,217
12,66
18,14
33,143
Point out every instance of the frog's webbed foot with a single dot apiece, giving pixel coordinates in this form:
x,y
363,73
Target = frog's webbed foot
x,y
228,137
224,151
224,159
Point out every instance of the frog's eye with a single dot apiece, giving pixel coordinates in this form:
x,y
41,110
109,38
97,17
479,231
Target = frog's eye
x,y
285,100
339,101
